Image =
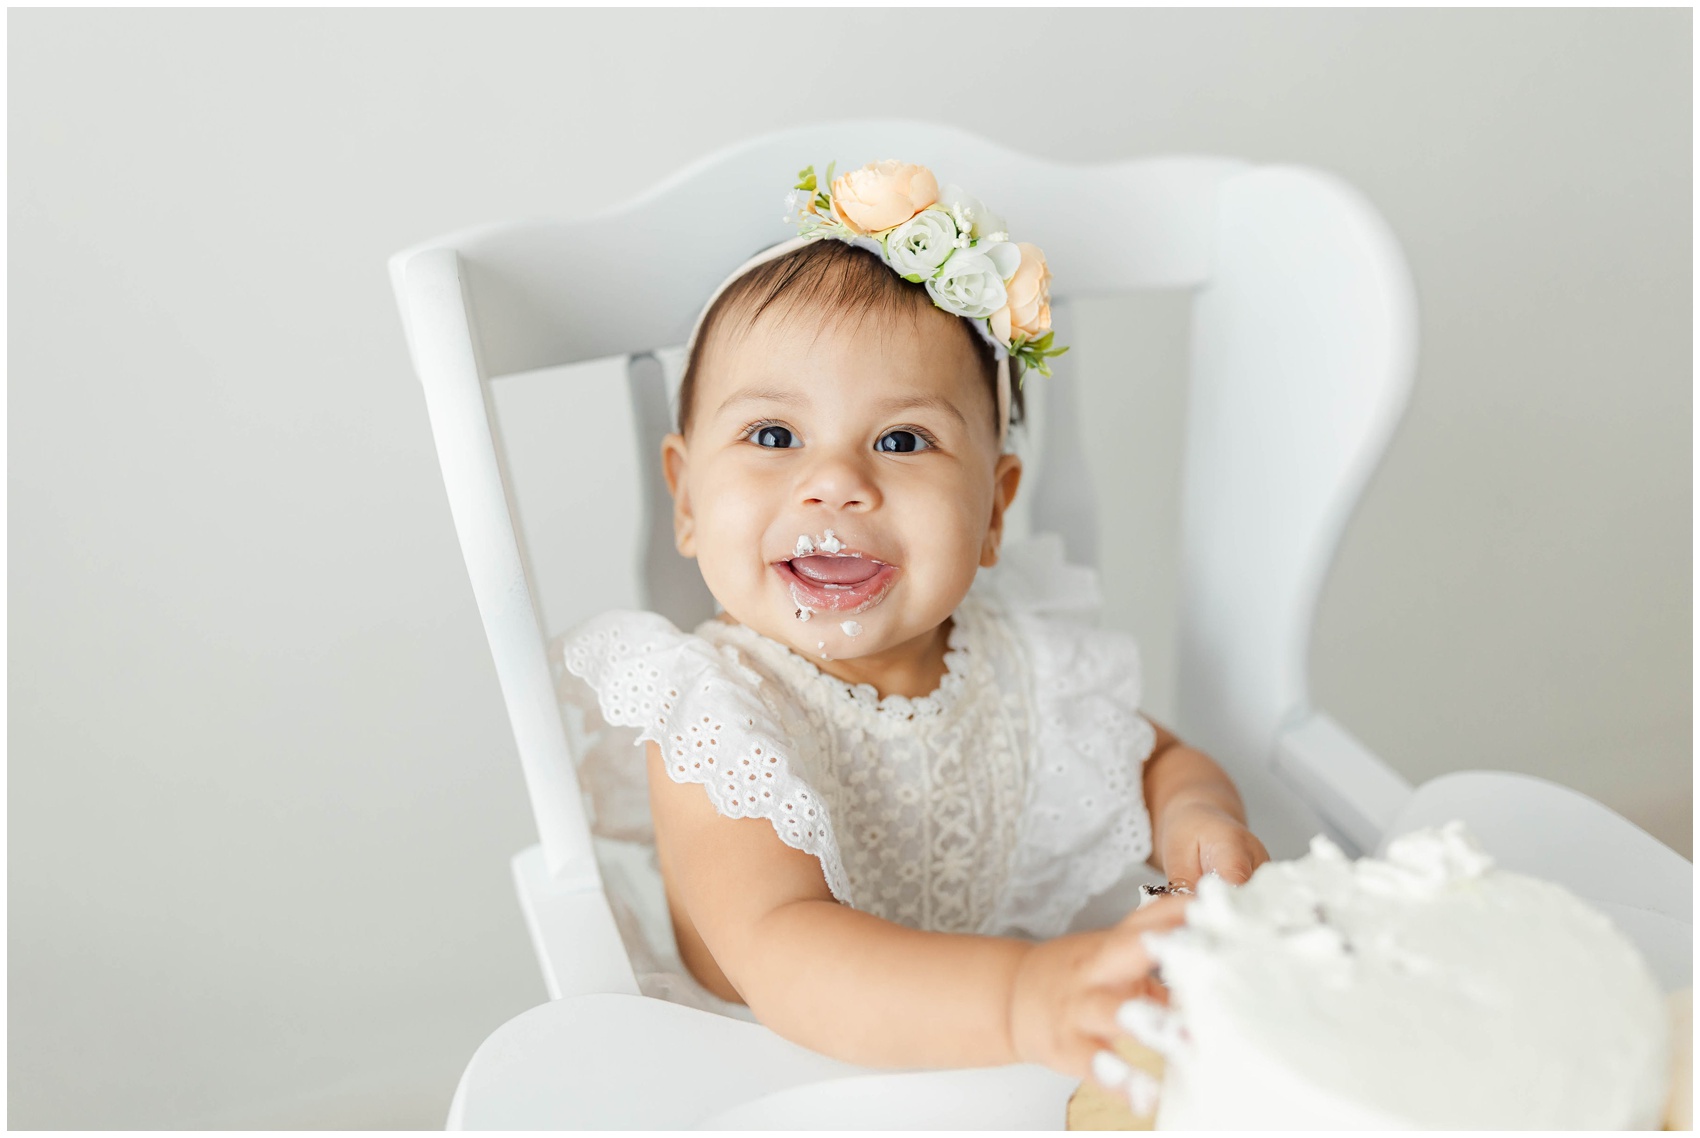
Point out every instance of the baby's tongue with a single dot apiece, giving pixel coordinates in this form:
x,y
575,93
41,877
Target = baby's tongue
x,y
835,570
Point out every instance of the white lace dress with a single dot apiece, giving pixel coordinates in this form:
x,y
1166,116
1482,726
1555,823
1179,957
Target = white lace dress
x,y
999,804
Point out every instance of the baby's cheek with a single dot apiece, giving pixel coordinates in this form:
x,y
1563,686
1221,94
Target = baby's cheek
x,y
729,528
950,549
967,518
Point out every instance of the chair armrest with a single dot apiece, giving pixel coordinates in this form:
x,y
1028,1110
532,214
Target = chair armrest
x,y
1346,782
572,929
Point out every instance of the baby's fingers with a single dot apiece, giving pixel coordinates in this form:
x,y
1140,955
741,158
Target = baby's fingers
x,y
1097,1027
1123,960
1163,913
1231,865
1095,1013
1074,1049
1183,863
1233,860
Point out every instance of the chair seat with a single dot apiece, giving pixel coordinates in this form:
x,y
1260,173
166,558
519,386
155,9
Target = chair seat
x,y
1023,1097
613,1062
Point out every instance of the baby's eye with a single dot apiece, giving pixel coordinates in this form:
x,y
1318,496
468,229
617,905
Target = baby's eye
x,y
772,436
902,442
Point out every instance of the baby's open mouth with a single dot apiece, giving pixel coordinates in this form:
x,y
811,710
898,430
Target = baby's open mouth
x,y
842,582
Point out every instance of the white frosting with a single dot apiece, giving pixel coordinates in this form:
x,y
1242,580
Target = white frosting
x,y
805,546
804,612
851,628
1425,991
1112,1071
830,543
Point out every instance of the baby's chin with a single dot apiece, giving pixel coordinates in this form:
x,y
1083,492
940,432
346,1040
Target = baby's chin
x,y
891,617
822,635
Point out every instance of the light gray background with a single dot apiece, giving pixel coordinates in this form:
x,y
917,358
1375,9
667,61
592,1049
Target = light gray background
x,y
262,789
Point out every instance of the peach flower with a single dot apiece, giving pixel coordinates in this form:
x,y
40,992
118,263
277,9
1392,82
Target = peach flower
x,y
882,194
1028,313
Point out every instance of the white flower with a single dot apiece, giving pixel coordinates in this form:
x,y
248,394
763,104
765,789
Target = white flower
x,y
920,245
968,285
976,219
1002,254
792,201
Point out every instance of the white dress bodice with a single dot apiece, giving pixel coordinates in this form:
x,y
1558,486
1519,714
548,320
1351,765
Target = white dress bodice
x,y
998,804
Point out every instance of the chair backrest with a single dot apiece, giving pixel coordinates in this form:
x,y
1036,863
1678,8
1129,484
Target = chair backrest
x,y
1302,355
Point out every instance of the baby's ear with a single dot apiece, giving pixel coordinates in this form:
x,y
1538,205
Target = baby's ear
x,y
1006,480
673,457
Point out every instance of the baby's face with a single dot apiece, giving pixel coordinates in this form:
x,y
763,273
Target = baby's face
x,y
849,472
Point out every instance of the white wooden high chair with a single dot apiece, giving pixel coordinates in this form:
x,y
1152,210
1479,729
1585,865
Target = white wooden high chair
x,y
1303,351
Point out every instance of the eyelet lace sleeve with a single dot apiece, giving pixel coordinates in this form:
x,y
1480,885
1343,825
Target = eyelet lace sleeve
x,y
706,713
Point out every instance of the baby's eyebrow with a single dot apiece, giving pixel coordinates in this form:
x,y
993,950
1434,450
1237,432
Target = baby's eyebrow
x,y
931,402
762,395
884,407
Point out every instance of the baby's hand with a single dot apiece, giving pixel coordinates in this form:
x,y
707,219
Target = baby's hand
x,y
1066,992
1199,838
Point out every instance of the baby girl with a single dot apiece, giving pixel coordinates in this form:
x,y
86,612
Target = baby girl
x,y
918,767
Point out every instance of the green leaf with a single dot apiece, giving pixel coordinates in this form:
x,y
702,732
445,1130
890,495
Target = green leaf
x,y
806,178
912,278
830,167
1044,341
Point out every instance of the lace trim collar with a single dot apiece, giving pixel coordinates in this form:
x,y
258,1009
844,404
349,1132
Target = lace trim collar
x,y
804,676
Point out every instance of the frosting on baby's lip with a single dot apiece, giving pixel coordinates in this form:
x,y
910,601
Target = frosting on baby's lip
x,y
803,553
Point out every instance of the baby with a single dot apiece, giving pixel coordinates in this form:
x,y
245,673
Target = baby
x,y
918,769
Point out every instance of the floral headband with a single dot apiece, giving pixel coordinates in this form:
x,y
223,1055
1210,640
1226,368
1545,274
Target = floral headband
x,y
944,239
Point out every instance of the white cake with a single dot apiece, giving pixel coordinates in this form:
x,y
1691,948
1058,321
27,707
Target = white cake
x,y
1424,991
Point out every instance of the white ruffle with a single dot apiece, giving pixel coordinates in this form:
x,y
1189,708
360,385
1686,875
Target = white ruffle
x,y
710,722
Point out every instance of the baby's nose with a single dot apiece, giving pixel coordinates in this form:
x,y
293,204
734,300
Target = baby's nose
x,y
840,482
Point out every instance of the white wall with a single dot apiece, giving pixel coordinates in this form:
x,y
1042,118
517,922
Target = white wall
x,y
262,791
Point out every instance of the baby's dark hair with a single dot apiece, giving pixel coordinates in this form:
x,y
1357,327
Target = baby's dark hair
x,y
850,283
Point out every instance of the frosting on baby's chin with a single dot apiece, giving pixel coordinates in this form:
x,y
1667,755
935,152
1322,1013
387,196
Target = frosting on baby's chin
x,y
1426,990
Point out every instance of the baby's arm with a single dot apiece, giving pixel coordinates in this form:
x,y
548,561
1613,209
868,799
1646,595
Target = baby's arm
x,y
1197,819
868,991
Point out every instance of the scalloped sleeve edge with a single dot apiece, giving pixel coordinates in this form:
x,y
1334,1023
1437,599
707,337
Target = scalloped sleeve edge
x,y
710,723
